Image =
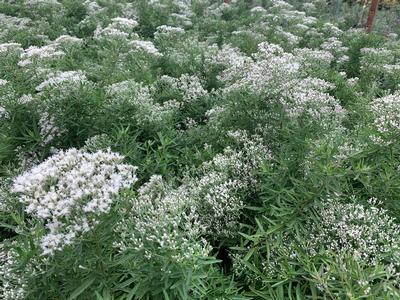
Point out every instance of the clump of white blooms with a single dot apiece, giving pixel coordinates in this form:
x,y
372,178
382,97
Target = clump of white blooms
x,y
67,40
172,220
13,281
58,78
347,150
110,34
392,69
373,59
48,128
130,93
166,31
311,59
219,187
3,113
97,142
123,24
386,111
281,76
24,99
162,219
146,46
4,187
120,29
12,22
39,55
353,81
336,48
367,233
258,9
309,96
225,57
331,29
265,75
10,47
70,190
189,87
43,2
289,37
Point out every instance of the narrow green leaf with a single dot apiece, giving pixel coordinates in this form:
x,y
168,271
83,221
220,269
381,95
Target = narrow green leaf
x,y
88,282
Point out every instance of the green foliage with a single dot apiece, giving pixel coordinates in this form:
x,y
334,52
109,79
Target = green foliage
x,y
265,140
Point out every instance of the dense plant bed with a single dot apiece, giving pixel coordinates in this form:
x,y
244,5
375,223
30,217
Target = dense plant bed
x,y
173,149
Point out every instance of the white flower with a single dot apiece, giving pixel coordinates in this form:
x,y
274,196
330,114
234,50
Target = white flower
x,y
367,233
146,46
386,111
3,113
70,190
54,79
165,29
123,24
39,54
48,128
13,280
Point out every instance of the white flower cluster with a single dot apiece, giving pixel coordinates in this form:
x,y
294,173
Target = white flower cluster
x,y
223,181
39,55
11,22
59,78
386,111
3,113
311,59
353,81
281,76
392,69
130,93
4,194
331,30
258,9
347,150
146,46
373,59
123,24
70,190
208,203
225,57
110,34
13,282
265,75
336,48
162,219
168,36
48,128
97,142
120,29
188,86
367,233
67,40
92,6
24,99
187,54
290,38
10,47
182,15
309,96
42,2
165,31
